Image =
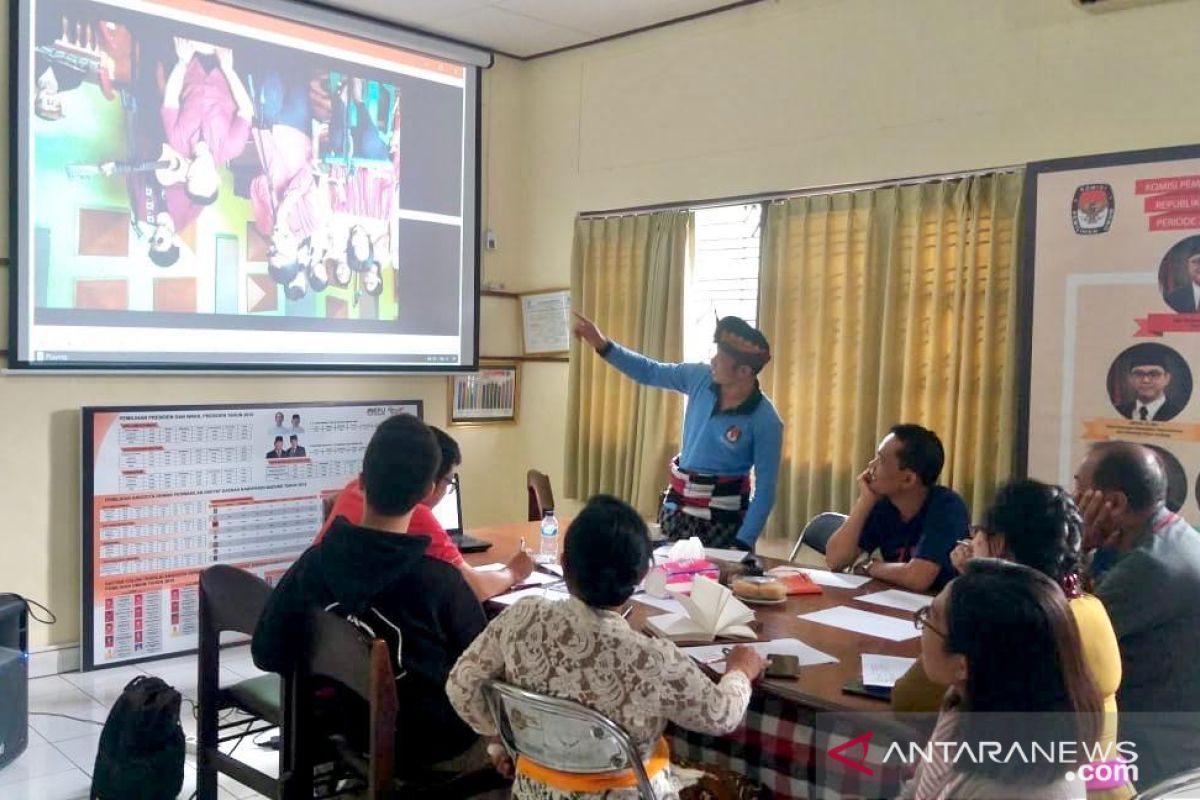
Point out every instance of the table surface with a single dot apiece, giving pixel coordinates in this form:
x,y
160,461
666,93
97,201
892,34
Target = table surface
x,y
818,686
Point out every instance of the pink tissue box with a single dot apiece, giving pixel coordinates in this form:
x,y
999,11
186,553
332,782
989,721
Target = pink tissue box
x,y
680,574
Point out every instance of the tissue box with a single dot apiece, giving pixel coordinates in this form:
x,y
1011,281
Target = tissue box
x,y
677,576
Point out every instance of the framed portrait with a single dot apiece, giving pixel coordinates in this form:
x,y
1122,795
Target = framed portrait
x,y
491,395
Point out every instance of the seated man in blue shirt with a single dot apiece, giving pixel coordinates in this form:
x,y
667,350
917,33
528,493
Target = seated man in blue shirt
x,y
730,427
903,513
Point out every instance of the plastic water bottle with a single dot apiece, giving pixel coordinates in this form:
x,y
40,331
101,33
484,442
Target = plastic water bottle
x,y
548,550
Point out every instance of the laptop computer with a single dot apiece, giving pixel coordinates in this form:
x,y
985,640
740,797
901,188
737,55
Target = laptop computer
x,y
449,513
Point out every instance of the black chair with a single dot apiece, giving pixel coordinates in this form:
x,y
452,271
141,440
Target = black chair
x,y
232,600
817,532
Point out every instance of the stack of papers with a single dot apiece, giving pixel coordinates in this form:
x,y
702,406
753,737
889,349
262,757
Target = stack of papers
x,y
559,593
884,671
713,654
897,598
851,619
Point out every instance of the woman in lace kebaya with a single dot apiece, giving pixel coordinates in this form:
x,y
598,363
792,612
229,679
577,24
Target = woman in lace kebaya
x,y
583,649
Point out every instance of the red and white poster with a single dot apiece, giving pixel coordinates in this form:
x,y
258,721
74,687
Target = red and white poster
x,y
169,491
1114,244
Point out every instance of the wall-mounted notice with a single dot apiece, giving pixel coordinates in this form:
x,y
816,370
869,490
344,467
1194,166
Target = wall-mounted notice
x,y
1114,244
546,322
171,490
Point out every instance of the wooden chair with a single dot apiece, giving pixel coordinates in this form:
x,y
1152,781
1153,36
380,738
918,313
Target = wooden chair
x,y
232,600
563,735
541,496
337,651
817,532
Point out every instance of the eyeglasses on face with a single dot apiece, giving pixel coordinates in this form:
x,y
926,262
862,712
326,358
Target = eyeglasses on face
x,y
1152,374
921,620
449,483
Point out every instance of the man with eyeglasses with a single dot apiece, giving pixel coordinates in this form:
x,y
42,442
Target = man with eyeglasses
x,y
1185,299
1149,376
903,513
350,503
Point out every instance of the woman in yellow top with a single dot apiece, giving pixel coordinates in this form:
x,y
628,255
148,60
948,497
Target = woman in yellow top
x,y
1038,525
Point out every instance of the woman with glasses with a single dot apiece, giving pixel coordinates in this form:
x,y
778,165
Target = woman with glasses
x,y
1039,526
1003,639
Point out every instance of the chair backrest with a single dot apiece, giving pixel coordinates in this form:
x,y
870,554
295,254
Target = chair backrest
x,y
232,599
338,650
563,735
817,532
327,506
541,496
1185,784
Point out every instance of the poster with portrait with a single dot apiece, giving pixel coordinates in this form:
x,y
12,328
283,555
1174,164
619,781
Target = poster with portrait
x,y
1114,246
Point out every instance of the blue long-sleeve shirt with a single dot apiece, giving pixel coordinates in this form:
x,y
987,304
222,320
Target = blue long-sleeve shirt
x,y
716,442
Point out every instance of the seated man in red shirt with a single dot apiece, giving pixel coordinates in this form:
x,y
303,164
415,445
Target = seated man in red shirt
x,y
350,504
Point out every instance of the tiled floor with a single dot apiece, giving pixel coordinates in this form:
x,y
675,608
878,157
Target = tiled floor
x,y
58,762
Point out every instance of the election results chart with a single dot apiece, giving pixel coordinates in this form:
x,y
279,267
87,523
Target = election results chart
x,y
170,491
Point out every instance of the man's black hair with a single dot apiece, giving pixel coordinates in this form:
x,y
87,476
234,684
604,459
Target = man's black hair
x,y
399,466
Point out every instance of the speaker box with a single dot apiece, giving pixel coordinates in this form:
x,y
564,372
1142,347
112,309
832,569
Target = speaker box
x,y
14,677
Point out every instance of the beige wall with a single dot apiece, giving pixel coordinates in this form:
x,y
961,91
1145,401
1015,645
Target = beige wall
x,y
783,94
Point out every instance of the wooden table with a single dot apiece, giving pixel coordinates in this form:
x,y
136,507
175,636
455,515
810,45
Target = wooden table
x,y
819,687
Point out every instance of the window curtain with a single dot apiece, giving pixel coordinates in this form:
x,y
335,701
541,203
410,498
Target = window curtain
x,y
627,274
892,305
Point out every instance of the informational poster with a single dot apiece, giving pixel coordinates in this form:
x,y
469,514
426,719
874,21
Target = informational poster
x,y
169,491
546,322
1114,244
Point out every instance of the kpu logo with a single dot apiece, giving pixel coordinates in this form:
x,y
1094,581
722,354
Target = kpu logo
x,y
1093,208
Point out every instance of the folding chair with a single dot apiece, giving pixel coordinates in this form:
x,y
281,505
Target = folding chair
x,y
817,532
563,735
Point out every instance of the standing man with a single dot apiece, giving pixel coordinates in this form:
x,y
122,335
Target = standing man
x,y
730,427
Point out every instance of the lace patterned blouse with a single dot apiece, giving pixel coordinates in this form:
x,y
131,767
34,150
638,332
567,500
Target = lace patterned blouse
x,y
569,650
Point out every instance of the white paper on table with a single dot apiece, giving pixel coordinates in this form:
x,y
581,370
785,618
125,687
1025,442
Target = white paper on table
x,y
851,619
897,598
719,554
533,591
808,656
667,604
884,670
555,568
490,567
540,579
822,577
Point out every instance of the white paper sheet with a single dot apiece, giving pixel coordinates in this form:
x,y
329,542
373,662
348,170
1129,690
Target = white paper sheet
x,y
670,605
540,579
821,577
897,598
851,619
490,567
718,554
534,591
884,671
809,656
554,568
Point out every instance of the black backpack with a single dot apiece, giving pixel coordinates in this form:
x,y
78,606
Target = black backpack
x,y
142,746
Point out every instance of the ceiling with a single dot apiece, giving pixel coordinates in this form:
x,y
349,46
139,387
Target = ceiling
x,y
528,28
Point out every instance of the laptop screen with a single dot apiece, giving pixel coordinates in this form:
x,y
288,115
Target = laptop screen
x,y
449,511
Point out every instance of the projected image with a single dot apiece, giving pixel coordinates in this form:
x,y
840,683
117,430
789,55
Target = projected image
x,y
239,177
